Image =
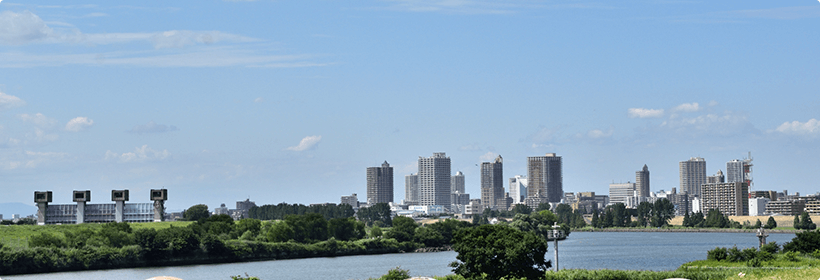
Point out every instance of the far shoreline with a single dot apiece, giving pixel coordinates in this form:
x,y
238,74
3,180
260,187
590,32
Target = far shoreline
x,y
731,230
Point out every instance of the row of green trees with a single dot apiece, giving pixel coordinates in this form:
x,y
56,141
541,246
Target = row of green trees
x,y
279,211
803,221
655,214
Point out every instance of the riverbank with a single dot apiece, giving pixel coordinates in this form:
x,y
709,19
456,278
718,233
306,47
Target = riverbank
x,y
732,230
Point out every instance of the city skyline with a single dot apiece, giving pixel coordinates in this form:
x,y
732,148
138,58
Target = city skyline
x,y
290,101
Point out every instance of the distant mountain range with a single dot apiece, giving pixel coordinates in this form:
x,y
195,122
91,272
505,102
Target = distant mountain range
x,y
7,209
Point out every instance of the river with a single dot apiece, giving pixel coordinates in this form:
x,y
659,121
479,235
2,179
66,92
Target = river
x,y
588,250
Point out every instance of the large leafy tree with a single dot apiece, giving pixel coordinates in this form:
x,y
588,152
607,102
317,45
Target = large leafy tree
x,y
662,211
378,214
644,212
196,212
496,251
771,223
404,229
804,242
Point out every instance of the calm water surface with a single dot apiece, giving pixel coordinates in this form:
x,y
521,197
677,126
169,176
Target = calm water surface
x,y
589,250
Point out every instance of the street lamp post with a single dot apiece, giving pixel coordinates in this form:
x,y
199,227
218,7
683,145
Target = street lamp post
x,y
555,234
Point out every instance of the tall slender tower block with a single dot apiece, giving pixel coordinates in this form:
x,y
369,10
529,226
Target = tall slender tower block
x,y
642,181
159,196
42,199
457,183
492,183
434,180
692,175
545,178
411,188
119,197
380,184
81,197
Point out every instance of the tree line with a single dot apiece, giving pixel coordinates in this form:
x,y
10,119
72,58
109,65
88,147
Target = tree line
x,y
279,211
647,214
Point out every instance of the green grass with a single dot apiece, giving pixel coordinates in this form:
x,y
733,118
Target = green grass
x,y
16,236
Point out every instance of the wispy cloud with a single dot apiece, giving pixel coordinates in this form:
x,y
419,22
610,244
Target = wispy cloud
x,y
10,101
599,134
38,120
152,127
78,124
645,113
687,107
140,154
483,6
489,156
810,127
307,143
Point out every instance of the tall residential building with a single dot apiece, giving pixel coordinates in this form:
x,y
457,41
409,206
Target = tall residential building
x,y
518,188
457,183
618,193
492,183
730,198
739,171
692,175
642,182
545,181
380,184
434,180
411,189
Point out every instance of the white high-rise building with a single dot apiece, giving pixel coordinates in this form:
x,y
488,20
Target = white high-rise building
x,y
457,183
692,175
518,188
411,189
434,180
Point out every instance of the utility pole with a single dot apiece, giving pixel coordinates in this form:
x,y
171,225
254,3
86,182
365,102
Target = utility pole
x,y
556,232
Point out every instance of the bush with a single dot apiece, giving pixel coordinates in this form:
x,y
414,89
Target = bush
x,y
765,256
717,254
734,255
749,253
791,256
754,262
396,274
770,247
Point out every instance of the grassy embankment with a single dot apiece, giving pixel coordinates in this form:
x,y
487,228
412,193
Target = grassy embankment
x,y
16,236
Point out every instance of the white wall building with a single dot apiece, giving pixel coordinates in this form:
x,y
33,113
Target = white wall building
x,y
518,188
757,206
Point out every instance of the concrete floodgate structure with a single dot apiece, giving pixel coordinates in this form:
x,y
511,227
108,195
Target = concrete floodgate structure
x,y
82,212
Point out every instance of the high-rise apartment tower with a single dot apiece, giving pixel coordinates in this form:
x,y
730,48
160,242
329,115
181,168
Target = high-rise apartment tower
x,y
692,175
545,177
642,182
380,184
492,183
457,183
411,188
434,180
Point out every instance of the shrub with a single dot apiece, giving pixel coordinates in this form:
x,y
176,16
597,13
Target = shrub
x,y
749,253
754,262
770,247
791,256
396,274
734,255
717,254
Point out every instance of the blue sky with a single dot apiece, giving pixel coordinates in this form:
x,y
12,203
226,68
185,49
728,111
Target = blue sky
x,y
290,101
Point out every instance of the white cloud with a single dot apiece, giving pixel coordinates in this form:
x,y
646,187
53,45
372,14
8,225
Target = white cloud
x,y
152,127
30,159
727,124
207,56
41,136
489,156
259,100
182,38
10,101
78,124
645,113
470,148
38,120
307,143
713,103
598,134
687,107
22,28
140,154
811,126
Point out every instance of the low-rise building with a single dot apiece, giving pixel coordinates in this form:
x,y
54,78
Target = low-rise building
x,y
757,206
785,207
